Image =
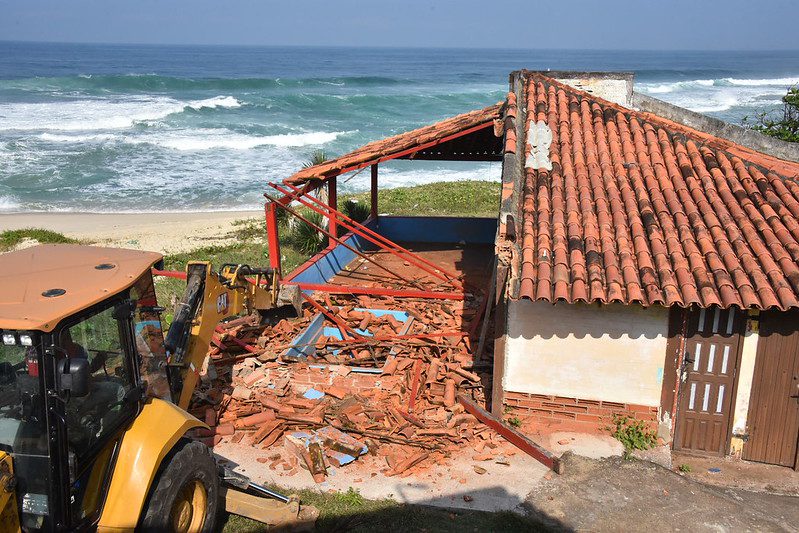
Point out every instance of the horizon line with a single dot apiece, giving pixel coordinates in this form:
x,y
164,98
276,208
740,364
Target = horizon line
x,y
392,47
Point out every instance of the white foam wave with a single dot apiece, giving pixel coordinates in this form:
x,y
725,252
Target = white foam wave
x,y
200,139
675,86
7,203
231,141
99,114
60,138
784,82
215,102
717,96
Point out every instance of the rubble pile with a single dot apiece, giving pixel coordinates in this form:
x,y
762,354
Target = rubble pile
x,y
374,386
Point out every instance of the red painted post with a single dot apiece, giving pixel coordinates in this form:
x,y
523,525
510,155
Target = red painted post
x,y
273,238
374,192
332,202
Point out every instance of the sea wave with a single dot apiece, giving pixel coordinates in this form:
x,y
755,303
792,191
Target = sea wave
x,y
793,80
230,141
202,139
100,113
7,203
215,102
154,83
720,95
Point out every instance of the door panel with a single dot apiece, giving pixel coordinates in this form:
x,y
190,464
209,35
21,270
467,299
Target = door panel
x,y
707,386
773,419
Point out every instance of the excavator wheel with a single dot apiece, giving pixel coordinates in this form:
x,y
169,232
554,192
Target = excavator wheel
x,y
185,496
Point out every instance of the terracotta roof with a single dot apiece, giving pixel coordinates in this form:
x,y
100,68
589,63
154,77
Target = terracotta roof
x,y
625,206
402,144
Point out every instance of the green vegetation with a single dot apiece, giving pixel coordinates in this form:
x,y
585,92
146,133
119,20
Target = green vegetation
x,y
786,128
633,434
684,468
349,511
466,198
514,422
355,209
305,237
11,238
317,158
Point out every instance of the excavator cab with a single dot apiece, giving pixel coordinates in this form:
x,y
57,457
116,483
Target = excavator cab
x,y
92,433
78,353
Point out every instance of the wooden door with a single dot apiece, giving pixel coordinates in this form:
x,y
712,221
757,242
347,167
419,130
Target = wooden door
x,y
773,419
707,388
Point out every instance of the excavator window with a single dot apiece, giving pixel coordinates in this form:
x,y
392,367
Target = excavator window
x,y
149,337
94,421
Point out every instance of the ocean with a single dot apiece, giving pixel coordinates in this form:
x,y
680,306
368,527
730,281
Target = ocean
x,y
135,128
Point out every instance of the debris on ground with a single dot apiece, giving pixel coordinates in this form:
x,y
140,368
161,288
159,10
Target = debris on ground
x,y
353,376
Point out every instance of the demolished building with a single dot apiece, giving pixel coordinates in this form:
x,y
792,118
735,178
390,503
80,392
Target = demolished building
x,y
643,263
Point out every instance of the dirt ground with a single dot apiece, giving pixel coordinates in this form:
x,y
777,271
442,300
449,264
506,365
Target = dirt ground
x,y
612,494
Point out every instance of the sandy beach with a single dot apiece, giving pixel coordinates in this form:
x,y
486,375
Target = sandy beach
x,y
158,232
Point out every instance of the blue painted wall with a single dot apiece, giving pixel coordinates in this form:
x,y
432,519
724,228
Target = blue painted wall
x,y
438,230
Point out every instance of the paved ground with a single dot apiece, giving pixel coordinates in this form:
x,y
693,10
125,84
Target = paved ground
x,y
615,495
456,484
730,472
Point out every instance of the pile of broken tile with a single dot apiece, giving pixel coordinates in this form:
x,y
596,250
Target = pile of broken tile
x,y
393,399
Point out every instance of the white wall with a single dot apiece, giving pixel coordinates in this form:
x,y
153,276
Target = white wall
x,y
746,372
609,352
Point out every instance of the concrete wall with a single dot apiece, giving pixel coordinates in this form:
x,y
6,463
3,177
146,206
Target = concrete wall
x,y
596,352
616,87
719,128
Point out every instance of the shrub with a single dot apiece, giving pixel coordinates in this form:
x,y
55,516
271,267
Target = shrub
x,y
357,211
633,434
786,128
308,239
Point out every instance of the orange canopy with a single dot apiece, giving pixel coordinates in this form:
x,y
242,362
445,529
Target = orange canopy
x,y
42,285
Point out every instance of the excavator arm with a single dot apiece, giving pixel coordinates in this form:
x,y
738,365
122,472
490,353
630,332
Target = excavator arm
x,y
210,298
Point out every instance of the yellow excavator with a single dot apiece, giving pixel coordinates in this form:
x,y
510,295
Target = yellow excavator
x,y
93,396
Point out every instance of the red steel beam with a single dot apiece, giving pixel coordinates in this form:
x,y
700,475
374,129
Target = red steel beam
x,y
273,239
332,204
376,291
250,348
169,273
377,239
344,244
386,243
540,454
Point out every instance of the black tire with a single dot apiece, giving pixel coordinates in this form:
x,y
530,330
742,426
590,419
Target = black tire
x,y
189,464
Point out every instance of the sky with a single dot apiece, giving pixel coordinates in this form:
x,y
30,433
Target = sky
x,y
554,24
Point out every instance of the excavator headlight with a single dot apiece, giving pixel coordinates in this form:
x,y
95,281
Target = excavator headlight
x,y
9,339
25,340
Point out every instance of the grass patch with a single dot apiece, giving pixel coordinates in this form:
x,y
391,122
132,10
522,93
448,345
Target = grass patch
x,y
11,238
468,198
349,511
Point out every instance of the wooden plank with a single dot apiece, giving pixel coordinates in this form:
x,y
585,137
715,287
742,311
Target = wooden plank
x,y
539,453
271,512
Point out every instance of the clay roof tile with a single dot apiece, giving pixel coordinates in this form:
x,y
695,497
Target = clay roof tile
x,y
637,208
